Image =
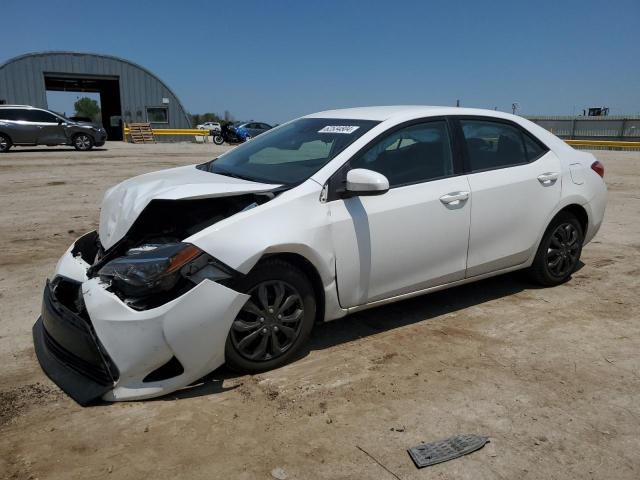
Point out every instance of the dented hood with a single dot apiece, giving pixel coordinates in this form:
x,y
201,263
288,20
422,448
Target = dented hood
x,y
123,203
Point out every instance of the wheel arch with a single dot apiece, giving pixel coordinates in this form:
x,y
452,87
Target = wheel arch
x,y
579,212
571,206
75,134
309,269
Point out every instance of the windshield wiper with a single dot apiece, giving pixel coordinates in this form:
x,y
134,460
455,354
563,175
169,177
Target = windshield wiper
x,y
227,173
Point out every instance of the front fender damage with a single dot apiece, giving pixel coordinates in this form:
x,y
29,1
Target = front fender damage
x,y
185,328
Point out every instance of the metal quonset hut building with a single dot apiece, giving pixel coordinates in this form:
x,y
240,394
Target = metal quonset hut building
x,y
128,92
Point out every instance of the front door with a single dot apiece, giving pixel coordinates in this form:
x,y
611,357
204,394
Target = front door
x,y
414,236
51,129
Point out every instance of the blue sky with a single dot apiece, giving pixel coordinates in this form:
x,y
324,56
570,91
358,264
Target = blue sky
x,y
275,60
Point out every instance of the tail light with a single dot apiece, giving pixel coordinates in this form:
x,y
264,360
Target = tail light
x,y
598,168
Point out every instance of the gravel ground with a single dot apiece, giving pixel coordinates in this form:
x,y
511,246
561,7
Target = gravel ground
x,y
552,376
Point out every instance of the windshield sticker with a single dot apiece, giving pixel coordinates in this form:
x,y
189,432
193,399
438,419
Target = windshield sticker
x,y
339,129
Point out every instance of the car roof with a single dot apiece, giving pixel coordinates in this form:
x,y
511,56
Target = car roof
x,y
382,113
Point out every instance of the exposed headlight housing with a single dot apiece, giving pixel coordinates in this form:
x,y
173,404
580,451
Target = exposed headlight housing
x,y
151,269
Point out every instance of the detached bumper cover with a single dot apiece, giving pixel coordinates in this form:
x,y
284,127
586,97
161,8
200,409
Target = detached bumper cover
x,y
70,353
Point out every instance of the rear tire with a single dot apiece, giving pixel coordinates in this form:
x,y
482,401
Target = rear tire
x,y
275,322
5,143
218,140
559,251
83,142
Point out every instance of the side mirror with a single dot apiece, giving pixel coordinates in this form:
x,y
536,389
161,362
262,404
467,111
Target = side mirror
x,y
362,182
60,121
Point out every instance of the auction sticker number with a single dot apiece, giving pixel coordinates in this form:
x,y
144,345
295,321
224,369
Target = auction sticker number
x,y
339,129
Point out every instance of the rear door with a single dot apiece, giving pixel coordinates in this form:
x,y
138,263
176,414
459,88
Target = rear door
x,y
515,186
414,236
19,126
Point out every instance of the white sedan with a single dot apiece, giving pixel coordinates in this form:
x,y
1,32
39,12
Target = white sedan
x,y
234,260
211,126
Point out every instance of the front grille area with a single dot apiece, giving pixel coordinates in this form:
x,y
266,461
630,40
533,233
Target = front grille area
x,y
97,373
69,335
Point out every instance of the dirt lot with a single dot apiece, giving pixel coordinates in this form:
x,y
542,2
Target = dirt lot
x,y
551,375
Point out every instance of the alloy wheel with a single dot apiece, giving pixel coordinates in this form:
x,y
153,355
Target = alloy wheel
x,y
83,142
270,321
563,250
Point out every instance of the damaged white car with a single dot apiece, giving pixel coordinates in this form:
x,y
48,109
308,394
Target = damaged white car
x,y
234,260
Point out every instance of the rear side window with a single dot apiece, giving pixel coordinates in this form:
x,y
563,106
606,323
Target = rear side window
x,y
533,148
9,114
417,153
494,145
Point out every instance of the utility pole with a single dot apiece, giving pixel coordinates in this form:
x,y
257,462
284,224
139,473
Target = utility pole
x,y
458,103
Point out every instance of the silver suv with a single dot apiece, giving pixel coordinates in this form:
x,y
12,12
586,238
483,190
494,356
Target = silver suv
x,y
24,125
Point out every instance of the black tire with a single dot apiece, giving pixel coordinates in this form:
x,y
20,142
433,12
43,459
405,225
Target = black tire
x,y
218,140
5,143
559,251
82,142
258,323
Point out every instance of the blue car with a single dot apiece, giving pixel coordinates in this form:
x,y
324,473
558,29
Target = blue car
x,y
247,130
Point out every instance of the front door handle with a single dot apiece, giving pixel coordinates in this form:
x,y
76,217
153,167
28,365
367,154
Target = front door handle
x,y
548,178
454,198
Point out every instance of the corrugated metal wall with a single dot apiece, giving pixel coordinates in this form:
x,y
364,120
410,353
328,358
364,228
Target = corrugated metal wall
x,y
591,128
22,82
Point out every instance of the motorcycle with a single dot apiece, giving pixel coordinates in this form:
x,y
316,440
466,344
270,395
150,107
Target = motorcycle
x,y
228,134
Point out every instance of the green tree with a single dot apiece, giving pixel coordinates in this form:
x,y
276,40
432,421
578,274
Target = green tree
x,y
87,107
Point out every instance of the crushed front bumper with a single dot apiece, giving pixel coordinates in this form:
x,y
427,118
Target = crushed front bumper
x,y
70,353
131,354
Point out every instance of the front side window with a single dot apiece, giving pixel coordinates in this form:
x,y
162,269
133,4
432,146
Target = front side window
x,y
417,153
493,145
291,153
39,116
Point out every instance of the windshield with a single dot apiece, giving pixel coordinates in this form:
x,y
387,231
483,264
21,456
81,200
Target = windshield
x,y
292,153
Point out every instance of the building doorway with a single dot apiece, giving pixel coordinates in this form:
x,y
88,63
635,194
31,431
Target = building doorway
x,y
108,89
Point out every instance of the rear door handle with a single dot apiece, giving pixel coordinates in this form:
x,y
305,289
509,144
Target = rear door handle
x,y
454,198
548,178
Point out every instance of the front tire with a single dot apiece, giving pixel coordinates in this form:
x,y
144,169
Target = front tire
x,y
275,322
559,251
83,142
5,143
218,140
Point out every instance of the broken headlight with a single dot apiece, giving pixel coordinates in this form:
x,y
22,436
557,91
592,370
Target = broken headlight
x,y
158,268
